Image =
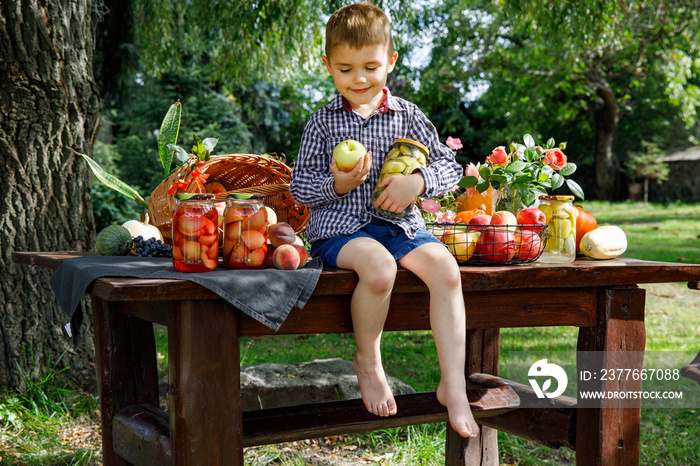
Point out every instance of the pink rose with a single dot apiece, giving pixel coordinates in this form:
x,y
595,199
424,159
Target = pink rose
x,y
499,156
471,170
454,143
446,217
555,158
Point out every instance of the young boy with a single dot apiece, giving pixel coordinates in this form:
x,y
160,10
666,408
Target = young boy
x,y
347,232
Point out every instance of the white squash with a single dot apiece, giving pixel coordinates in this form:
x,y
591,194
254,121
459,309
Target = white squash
x,y
146,230
271,215
605,242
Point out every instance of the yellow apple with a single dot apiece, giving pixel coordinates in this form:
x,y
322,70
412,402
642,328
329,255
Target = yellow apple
x,y
347,154
461,244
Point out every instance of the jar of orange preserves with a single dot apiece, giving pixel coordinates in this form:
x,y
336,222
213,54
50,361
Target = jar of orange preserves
x,y
245,233
195,233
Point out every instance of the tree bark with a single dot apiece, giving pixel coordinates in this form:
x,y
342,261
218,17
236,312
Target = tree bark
x,y
49,106
606,115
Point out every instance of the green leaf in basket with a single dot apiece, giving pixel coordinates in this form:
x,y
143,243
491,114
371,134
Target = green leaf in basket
x,y
114,182
181,156
169,129
210,143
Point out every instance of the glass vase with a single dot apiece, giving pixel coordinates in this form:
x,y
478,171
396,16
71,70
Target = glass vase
x,y
509,199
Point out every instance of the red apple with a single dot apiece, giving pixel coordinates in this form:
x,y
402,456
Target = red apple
x,y
504,217
531,218
497,244
529,245
477,223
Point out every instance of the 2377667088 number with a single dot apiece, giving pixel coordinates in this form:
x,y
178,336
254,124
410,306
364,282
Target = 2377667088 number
x,y
632,374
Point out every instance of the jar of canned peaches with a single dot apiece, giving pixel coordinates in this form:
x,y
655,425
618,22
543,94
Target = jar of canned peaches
x,y
195,233
560,247
405,156
245,233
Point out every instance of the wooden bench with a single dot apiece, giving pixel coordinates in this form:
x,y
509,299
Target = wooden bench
x,y
205,423
692,370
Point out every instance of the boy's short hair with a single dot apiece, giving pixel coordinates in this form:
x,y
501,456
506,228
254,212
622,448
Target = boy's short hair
x,y
358,25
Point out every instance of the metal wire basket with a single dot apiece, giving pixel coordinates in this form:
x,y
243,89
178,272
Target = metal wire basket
x,y
491,244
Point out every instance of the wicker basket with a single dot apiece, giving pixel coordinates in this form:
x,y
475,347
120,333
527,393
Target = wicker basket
x,y
238,173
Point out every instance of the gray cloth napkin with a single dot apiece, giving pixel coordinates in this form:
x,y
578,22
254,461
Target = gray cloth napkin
x,y
266,295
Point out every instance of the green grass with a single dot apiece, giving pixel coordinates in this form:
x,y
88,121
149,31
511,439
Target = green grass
x,y
46,423
36,422
660,232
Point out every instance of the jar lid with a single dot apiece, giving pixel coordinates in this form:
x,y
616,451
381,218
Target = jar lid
x,y
245,196
558,197
194,197
412,142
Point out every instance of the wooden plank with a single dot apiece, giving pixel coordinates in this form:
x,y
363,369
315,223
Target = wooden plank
x,y
157,312
482,357
204,398
342,417
125,362
609,434
692,370
549,421
409,311
581,273
141,435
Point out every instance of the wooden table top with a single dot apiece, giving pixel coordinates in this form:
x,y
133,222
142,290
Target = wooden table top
x,y
583,272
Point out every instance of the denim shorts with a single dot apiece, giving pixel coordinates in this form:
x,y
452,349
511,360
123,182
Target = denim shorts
x,y
391,236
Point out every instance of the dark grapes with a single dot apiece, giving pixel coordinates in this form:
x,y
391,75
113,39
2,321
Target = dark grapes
x,y
151,247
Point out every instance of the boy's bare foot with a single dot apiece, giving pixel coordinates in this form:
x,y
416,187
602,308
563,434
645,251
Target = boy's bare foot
x,y
374,387
458,410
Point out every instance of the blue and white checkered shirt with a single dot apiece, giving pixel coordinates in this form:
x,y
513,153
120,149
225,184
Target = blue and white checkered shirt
x,y
312,181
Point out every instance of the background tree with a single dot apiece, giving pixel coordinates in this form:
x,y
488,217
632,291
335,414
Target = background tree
x,y
647,165
579,68
49,106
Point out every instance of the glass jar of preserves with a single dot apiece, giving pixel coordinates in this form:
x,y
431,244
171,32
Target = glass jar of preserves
x,y
195,233
560,246
405,156
245,233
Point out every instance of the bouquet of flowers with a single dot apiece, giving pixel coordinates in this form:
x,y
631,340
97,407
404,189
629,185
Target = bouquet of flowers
x,y
517,176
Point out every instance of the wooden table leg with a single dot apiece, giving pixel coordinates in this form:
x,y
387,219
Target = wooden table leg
x,y
609,434
125,362
204,396
482,356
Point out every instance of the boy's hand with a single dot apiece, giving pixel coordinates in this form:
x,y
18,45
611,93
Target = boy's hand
x,y
400,191
344,182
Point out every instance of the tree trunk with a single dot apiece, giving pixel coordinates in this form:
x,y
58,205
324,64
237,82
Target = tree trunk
x,y
49,105
605,116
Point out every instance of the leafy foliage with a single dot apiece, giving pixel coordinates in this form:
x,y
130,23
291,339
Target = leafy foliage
x,y
221,41
511,67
